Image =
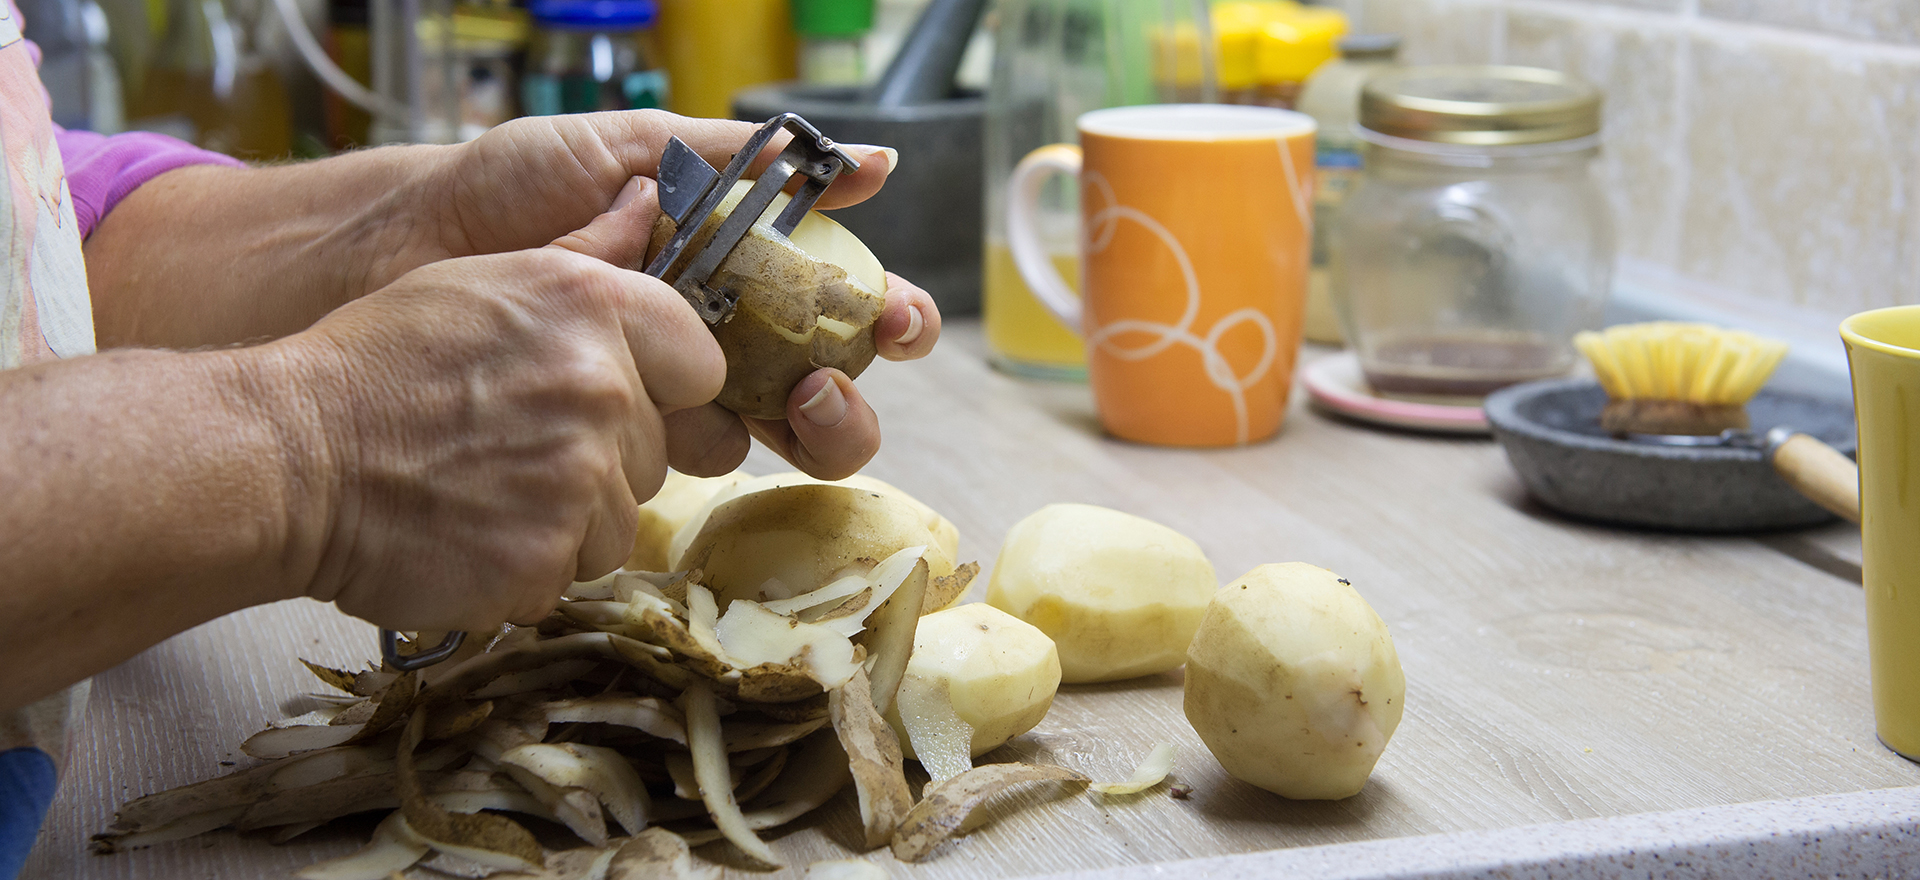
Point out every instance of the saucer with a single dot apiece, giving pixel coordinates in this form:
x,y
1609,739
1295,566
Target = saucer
x,y
1335,382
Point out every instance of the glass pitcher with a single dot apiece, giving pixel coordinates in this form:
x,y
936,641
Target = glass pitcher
x,y
1054,60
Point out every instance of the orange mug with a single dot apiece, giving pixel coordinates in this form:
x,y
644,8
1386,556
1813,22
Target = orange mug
x,y
1196,220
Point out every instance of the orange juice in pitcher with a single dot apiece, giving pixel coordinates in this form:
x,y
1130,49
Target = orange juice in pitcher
x,y
1022,336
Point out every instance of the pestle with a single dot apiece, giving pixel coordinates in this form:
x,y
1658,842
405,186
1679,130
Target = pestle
x,y
927,222
922,70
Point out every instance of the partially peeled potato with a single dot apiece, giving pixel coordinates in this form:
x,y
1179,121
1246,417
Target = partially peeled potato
x,y
806,300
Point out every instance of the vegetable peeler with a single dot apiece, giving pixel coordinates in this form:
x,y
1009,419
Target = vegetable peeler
x,y
690,192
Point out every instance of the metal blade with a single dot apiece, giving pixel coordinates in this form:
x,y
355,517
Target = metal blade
x,y
684,177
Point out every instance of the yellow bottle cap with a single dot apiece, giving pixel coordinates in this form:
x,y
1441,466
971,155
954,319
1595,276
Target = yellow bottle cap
x,y
1237,26
1291,49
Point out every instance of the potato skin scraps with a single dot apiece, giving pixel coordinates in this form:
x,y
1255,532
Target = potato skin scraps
x,y
712,773
945,805
495,841
879,770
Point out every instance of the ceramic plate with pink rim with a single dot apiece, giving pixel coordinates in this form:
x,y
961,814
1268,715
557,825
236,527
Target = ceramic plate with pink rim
x,y
1335,382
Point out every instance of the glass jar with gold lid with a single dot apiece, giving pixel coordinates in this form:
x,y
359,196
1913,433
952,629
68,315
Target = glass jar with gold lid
x,y
1476,242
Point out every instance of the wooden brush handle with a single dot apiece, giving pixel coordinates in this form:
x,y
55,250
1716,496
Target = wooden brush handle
x,y
1819,472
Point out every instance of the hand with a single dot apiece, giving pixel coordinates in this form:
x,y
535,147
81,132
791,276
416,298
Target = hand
x,y
830,430
534,179
489,422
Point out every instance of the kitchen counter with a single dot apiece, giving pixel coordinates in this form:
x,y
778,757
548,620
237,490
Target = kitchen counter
x,y
1580,700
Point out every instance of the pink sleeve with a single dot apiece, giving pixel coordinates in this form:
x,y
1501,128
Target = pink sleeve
x,y
102,170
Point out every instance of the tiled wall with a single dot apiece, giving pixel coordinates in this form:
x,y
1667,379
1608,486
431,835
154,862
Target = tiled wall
x,y
1758,152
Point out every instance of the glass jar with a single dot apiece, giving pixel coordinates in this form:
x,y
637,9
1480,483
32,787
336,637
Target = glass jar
x,y
1332,98
1476,242
589,55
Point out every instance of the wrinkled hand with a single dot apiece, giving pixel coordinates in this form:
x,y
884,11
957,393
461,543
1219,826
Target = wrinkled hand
x,y
536,179
489,422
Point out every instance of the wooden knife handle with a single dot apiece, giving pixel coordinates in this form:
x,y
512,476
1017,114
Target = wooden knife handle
x,y
1819,472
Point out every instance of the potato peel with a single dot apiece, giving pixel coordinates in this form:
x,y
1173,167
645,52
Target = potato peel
x,y
942,741
889,638
337,678
494,841
945,591
945,805
713,775
597,769
179,829
650,715
1151,772
658,854
845,869
394,848
873,750
394,702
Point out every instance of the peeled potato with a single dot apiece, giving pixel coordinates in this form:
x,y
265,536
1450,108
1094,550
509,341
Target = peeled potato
x,y
945,535
806,300
1120,595
998,673
679,499
783,541
1293,682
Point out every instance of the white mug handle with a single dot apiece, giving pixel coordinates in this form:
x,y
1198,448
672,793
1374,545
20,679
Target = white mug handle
x,y
1036,266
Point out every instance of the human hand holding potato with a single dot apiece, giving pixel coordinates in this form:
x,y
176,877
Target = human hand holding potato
x,y
527,181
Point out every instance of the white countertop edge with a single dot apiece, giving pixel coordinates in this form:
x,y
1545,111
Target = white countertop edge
x,y
1857,834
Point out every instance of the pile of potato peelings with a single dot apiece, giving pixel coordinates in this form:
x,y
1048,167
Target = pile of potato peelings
x,y
808,637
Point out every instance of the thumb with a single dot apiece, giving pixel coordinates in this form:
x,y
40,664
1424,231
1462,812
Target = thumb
x,y
620,235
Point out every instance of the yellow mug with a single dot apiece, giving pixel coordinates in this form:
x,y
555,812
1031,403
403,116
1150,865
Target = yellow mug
x,y
1196,221
1883,349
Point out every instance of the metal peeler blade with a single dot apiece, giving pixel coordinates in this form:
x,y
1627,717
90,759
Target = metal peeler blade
x,y
690,191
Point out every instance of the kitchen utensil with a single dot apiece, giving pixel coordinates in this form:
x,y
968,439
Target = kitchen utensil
x,y
925,223
1193,259
690,191
1552,436
1883,350
1672,377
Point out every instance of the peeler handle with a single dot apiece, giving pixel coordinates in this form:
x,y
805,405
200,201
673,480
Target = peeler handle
x,y
1817,471
390,651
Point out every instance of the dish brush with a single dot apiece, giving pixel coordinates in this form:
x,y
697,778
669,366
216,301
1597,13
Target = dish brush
x,y
1667,377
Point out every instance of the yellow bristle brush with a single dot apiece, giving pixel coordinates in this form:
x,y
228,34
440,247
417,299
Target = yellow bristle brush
x,y
1667,377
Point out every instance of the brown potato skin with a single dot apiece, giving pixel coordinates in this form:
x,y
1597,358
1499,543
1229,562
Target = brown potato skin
x,y
782,287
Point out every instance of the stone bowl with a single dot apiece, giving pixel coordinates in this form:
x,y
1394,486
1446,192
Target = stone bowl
x,y
1552,436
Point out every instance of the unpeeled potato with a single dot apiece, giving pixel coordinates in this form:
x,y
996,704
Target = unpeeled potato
x,y
806,300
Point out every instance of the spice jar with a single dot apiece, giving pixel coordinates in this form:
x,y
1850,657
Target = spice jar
x,y
589,55
1476,242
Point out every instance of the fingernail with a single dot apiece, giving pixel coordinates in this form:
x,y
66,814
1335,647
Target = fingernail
x,y
827,408
915,324
869,150
627,194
